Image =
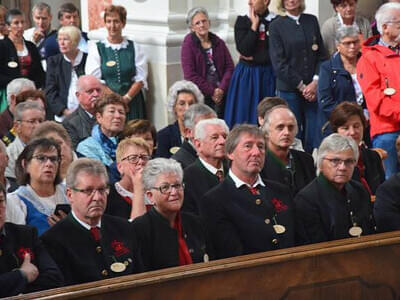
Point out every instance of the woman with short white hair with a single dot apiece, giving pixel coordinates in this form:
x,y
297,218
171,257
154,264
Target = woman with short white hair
x,y
333,206
168,237
181,95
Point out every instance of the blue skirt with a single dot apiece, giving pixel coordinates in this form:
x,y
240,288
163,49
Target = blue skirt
x,y
248,86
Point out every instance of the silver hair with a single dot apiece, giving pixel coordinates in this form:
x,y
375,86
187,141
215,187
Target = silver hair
x,y
16,86
182,86
195,111
24,106
157,167
200,128
384,14
72,32
346,31
336,143
193,12
267,116
86,165
81,82
40,6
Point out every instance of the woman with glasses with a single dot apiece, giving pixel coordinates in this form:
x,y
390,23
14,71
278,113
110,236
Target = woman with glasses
x,y
333,206
38,173
168,237
348,119
338,78
126,198
345,16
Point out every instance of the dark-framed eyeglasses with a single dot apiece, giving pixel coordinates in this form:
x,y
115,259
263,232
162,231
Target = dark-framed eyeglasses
x,y
90,192
134,158
44,158
166,188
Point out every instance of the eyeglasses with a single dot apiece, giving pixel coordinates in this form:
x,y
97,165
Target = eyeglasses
x,y
167,188
44,158
90,192
349,43
32,122
134,159
335,162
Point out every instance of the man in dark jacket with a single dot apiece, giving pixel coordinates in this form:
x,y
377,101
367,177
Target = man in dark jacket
x,y
87,245
245,214
186,154
79,124
290,167
208,169
25,265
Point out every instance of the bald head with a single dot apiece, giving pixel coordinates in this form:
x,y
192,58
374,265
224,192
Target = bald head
x,y
88,90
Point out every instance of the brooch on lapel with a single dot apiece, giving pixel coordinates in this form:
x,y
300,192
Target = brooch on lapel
x,y
24,251
279,205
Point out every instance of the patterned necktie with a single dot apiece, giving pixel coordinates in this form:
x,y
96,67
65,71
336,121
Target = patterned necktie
x,y
220,175
95,232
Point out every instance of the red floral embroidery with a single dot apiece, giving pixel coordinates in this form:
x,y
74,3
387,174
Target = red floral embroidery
x,y
23,251
279,205
119,248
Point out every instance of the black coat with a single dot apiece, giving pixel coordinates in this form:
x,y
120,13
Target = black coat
x,y
248,42
242,223
8,53
186,155
291,50
167,138
116,205
387,205
323,212
198,181
81,259
303,170
79,125
11,280
58,80
374,172
159,242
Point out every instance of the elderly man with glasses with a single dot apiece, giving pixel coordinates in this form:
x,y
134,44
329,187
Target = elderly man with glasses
x,y
88,245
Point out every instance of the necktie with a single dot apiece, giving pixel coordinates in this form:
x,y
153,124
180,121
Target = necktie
x,y
220,175
95,232
254,190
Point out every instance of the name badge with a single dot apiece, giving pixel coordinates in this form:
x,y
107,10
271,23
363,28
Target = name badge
x,y
111,63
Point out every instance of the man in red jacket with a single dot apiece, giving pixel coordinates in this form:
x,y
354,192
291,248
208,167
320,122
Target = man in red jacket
x,y
378,72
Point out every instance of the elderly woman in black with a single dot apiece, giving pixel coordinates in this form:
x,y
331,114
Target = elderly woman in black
x,y
348,119
333,206
168,237
296,50
63,71
19,58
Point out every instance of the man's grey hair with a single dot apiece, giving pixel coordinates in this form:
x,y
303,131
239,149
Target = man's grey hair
x,y
235,135
193,12
18,85
81,82
182,86
194,112
40,6
384,14
157,167
336,143
346,31
27,105
200,131
267,118
85,165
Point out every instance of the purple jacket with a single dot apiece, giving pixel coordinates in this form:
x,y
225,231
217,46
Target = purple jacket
x,y
194,64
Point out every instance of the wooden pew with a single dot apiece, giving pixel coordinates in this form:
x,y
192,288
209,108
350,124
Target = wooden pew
x,y
358,268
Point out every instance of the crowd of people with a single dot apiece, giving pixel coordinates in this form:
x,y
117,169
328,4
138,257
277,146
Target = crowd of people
x,y
296,144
